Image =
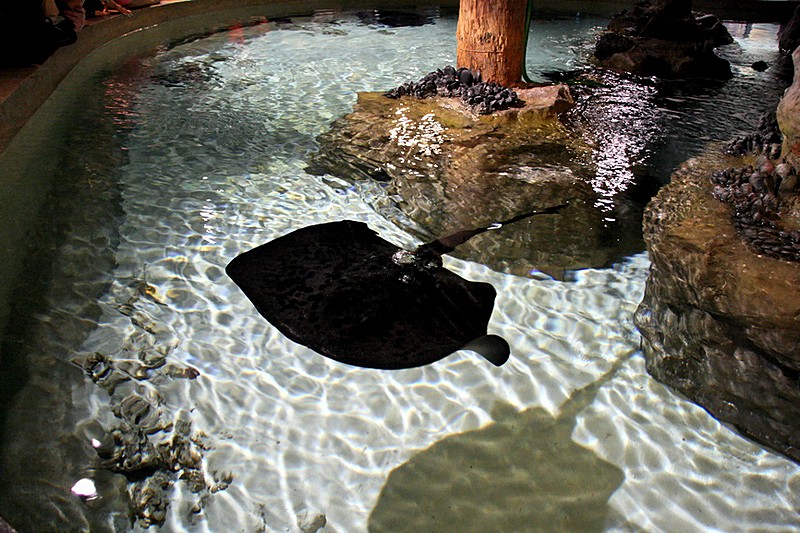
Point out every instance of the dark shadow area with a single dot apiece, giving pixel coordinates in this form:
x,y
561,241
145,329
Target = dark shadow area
x,y
398,19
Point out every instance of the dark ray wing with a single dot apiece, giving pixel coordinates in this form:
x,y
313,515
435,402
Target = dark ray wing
x,y
336,289
346,293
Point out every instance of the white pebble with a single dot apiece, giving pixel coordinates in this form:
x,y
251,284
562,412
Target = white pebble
x,y
85,489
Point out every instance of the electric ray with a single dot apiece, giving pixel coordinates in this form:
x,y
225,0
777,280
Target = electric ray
x,y
346,293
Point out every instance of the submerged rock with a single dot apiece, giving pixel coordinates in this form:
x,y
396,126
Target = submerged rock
x,y
152,453
151,499
664,38
448,169
309,522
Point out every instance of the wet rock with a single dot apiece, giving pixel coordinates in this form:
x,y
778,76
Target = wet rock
x,y
191,73
141,412
757,206
664,38
150,499
760,66
612,43
145,353
309,522
766,139
720,318
789,183
133,454
222,480
181,372
101,370
152,453
788,116
447,169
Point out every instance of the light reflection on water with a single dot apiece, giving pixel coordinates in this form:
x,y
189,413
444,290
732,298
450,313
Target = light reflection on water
x,y
303,435
629,127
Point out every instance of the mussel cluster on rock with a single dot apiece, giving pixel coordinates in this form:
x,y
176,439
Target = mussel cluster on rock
x,y
766,139
482,97
755,195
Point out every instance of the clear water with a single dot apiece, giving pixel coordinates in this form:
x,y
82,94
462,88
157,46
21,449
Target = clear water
x,y
195,155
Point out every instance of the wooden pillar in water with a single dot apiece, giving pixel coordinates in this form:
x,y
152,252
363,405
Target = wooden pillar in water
x,y
490,39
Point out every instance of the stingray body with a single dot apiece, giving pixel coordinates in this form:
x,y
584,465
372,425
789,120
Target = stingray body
x,y
341,290
348,294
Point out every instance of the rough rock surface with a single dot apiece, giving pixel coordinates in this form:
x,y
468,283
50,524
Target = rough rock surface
x,y
5,527
448,169
788,115
664,38
721,323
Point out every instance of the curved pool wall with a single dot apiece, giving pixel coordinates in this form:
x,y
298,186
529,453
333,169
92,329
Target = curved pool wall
x,y
614,410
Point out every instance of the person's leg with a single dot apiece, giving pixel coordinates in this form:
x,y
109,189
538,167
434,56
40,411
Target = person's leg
x,y
72,10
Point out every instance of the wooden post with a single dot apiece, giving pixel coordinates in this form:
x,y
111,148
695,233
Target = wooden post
x,y
490,39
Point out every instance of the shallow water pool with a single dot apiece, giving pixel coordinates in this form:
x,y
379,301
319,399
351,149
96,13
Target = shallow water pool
x,y
190,155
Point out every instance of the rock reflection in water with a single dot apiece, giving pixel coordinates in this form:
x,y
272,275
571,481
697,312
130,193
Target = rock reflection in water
x,y
521,473
619,119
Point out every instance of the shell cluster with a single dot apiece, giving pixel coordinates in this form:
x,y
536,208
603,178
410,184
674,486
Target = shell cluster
x,y
756,194
766,139
481,96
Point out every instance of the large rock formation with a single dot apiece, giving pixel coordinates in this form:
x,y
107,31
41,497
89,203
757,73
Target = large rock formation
x,y
449,169
721,323
721,312
664,38
788,115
